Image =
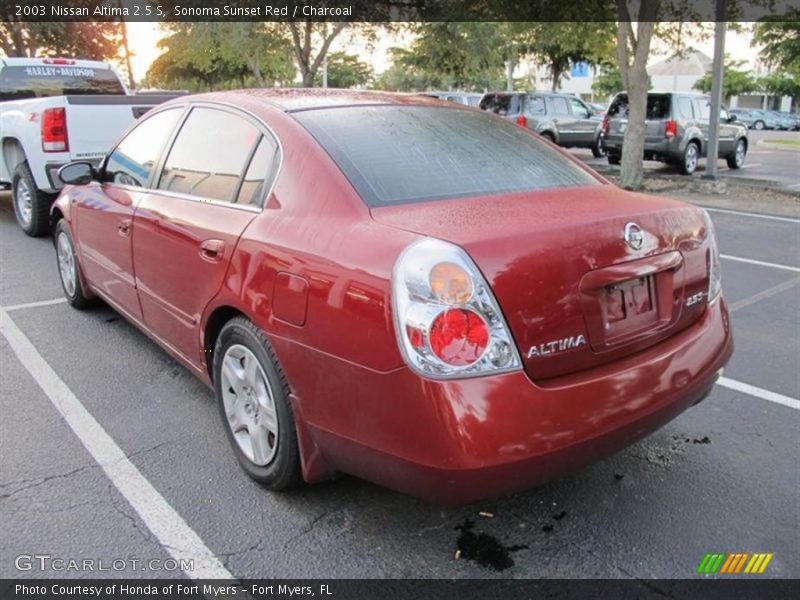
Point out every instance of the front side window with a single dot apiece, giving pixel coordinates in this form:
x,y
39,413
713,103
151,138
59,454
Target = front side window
x,y
209,155
579,109
133,160
401,154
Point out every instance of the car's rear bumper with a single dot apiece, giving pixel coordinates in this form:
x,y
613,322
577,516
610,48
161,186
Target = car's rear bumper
x,y
461,441
661,148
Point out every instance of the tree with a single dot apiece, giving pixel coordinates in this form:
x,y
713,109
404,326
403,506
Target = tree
x,y
609,80
782,85
208,55
75,39
735,82
346,71
780,37
561,44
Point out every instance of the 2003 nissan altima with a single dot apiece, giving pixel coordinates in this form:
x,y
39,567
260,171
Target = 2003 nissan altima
x,y
413,292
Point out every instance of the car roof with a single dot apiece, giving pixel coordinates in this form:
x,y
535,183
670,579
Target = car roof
x,y
297,99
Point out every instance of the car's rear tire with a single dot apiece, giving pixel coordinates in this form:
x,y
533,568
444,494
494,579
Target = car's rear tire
x,y
69,268
759,125
31,205
253,401
598,148
688,162
614,159
736,160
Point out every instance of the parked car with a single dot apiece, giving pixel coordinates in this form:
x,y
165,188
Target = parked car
x,y
598,109
676,130
562,118
52,111
422,295
465,98
793,118
755,118
783,121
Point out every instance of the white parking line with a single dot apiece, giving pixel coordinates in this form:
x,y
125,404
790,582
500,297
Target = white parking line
x,y
764,294
167,525
760,263
758,392
14,307
751,214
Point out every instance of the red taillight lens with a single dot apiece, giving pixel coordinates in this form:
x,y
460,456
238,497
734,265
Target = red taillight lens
x,y
605,125
459,337
671,129
522,121
54,130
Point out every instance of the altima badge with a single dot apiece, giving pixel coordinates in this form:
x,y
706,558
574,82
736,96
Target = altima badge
x,y
634,236
569,343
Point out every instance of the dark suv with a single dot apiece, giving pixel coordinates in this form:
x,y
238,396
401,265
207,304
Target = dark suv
x,y
564,119
676,130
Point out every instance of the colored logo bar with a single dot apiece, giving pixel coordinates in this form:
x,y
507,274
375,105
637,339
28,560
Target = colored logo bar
x,y
734,563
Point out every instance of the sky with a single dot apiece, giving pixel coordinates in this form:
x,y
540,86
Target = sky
x,y
143,39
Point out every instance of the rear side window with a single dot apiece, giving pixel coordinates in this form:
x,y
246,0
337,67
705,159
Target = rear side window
x,y
535,105
17,83
658,106
400,154
560,106
703,107
501,104
261,168
209,155
132,161
685,108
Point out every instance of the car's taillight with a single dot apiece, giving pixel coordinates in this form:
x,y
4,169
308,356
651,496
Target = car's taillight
x,y
605,125
54,130
712,260
447,320
671,129
522,121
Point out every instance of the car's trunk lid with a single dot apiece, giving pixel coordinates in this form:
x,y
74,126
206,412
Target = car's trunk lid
x,y
573,292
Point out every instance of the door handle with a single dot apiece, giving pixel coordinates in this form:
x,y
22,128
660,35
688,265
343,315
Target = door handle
x,y
124,227
212,250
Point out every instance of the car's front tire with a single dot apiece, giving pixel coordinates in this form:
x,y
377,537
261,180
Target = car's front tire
x,y
253,401
68,268
31,205
736,160
688,162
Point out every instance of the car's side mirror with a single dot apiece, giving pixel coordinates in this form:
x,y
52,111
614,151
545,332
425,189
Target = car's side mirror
x,y
79,172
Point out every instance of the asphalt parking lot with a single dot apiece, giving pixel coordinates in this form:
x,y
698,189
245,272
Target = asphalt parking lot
x,y
775,164
723,477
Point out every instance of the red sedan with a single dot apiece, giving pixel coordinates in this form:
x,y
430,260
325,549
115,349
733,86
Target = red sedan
x,y
414,292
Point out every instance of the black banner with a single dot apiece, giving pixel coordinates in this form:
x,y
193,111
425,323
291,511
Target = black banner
x,y
395,589
384,10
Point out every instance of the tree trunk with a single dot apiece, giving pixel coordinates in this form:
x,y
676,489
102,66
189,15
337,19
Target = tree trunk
x,y
634,73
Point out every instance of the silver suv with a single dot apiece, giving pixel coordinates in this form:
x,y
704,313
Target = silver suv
x,y
564,119
676,130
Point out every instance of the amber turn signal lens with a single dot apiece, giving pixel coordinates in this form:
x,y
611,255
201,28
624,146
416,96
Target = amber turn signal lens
x,y
450,283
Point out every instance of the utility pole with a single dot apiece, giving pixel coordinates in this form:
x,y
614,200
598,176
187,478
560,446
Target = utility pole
x,y
716,90
325,71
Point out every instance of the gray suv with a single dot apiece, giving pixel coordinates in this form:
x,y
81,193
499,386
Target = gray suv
x,y
676,130
564,119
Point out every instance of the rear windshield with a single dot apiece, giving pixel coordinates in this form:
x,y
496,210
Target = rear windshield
x,y
657,106
37,81
501,104
400,154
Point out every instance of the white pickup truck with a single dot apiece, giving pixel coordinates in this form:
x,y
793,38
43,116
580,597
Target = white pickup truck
x,y
53,111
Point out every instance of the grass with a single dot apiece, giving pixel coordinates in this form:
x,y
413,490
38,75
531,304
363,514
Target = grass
x,y
784,141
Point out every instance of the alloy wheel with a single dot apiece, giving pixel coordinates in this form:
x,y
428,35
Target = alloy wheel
x,y
23,202
66,264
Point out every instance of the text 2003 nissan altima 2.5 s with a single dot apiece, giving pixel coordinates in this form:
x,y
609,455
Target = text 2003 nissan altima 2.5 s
x,y
413,292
